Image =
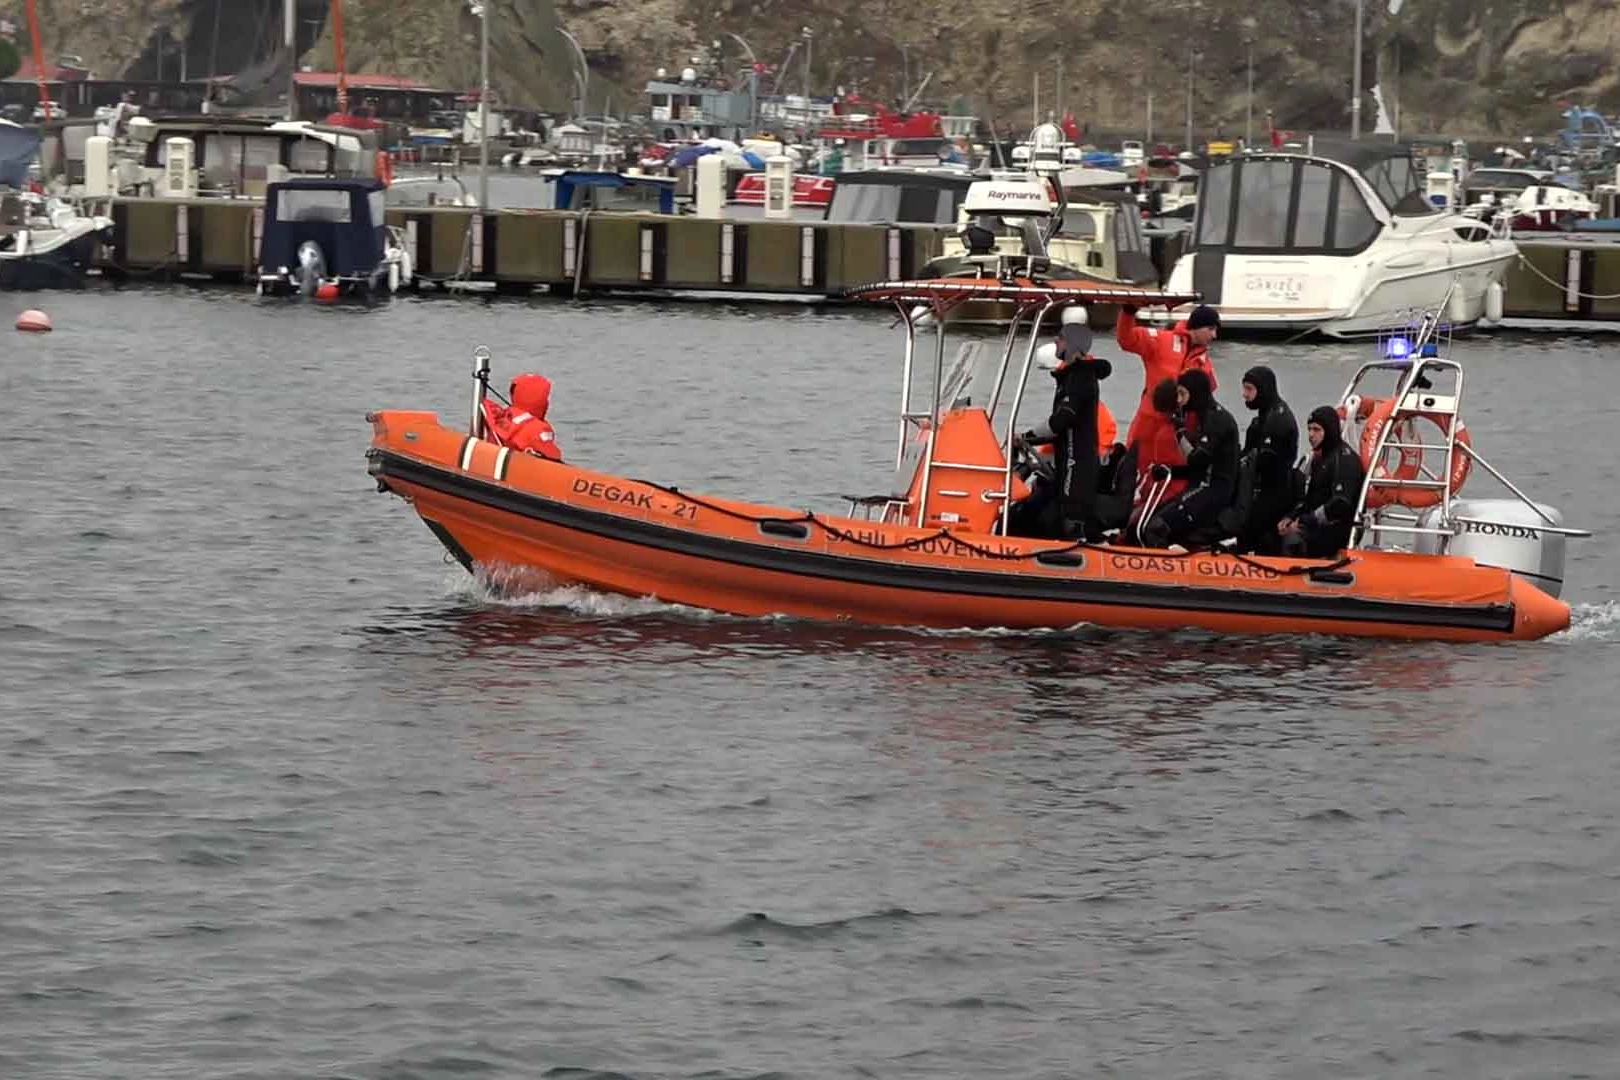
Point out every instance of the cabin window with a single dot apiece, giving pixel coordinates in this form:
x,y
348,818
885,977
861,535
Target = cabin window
x,y
1128,230
299,204
1263,213
307,156
1315,204
1215,207
1078,225
378,201
1354,225
261,151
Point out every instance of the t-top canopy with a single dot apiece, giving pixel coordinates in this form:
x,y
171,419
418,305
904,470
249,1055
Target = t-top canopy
x,y
947,290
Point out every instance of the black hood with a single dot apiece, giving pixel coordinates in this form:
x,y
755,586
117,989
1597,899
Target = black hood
x,y
1200,395
1327,417
1073,347
1264,380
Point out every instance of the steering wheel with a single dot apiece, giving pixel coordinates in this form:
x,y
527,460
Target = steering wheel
x,y
1029,461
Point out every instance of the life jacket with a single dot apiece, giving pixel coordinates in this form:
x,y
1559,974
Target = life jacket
x,y
523,426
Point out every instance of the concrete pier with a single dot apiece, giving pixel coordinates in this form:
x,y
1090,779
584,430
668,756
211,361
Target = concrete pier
x,y
1561,277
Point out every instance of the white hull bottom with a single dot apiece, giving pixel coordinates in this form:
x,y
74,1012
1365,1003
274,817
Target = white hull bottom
x,y
1390,303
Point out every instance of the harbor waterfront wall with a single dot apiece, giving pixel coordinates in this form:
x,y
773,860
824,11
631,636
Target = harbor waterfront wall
x,y
520,250
1560,277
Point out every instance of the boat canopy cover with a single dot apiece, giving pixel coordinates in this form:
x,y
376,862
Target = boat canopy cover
x,y
576,188
899,196
345,217
18,145
953,290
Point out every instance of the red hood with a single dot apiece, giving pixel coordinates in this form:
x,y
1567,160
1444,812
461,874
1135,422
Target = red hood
x,y
532,394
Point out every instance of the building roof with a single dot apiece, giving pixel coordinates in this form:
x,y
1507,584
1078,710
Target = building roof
x,y
361,81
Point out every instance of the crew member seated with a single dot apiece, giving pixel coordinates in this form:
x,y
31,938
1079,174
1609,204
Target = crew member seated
x,y
1208,436
1073,426
1265,488
1319,527
1158,457
522,425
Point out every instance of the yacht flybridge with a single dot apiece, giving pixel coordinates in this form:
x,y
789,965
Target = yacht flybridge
x,y
1340,241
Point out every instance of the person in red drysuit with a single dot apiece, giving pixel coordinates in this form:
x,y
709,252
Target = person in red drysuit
x,y
1167,353
522,425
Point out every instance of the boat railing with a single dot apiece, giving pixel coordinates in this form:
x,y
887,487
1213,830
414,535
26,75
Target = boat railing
x,y
1412,355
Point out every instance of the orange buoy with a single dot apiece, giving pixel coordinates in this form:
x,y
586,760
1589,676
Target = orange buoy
x,y
34,321
326,292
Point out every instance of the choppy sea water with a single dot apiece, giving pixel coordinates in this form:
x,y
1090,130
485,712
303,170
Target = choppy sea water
x,y
286,795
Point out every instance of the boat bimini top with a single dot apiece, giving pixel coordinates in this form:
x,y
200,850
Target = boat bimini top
x,y
977,382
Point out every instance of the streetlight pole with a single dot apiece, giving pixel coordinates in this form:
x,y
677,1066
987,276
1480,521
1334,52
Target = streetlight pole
x,y
582,77
753,82
1191,55
905,74
290,32
1355,82
1249,27
808,38
483,105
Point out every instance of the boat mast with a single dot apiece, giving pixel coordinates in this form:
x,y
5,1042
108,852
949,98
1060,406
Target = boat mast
x,y
342,60
39,61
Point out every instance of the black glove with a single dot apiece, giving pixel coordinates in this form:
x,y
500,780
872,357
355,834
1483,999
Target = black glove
x,y
1029,438
1178,420
1129,309
1160,473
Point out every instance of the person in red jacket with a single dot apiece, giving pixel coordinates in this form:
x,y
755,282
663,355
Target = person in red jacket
x,y
1167,353
1158,454
522,425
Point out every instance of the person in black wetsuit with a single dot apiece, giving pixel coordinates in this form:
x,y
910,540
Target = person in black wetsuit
x,y
1265,488
1209,438
1073,427
1319,527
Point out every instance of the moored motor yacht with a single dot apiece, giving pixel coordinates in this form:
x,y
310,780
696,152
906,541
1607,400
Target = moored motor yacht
x,y
1339,243
935,548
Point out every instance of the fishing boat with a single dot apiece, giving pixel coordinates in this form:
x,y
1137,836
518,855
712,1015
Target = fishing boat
x,y
934,549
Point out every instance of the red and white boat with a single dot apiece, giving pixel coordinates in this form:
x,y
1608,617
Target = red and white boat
x,y
810,193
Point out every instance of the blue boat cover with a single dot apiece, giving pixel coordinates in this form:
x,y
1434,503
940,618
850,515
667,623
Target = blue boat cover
x,y
345,217
18,145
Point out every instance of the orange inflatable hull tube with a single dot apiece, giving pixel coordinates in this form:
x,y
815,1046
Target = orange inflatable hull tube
x,y
497,510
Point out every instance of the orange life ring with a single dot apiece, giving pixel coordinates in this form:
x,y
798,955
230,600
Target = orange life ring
x,y
385,168
1375,415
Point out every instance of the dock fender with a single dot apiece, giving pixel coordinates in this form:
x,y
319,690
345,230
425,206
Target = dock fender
x,y
1495,301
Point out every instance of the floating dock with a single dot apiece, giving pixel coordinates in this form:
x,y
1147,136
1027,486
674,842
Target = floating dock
x,y
1569,277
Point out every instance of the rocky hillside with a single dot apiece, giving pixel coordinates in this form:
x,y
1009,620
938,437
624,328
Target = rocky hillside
x,y
1474,66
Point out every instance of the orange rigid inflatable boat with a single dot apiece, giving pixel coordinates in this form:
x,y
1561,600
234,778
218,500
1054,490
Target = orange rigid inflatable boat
x,y
935,551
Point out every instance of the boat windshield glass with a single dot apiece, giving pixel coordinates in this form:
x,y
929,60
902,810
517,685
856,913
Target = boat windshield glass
x,y
888,201
1077,225
1284,204
304,204
1395,181
911,148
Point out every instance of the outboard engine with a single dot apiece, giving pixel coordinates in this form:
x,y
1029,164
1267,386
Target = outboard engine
x,y
1504,533
311,269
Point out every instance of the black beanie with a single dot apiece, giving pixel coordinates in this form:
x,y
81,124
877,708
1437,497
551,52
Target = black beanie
x,y
1203,315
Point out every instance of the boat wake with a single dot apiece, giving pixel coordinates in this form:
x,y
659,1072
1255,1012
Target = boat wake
x,y
1593,622
504,591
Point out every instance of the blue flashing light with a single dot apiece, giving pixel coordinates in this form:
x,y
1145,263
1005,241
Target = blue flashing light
x,y
1429,349
1398,348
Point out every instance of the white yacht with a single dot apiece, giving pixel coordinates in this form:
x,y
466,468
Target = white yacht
x,y
1339,242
